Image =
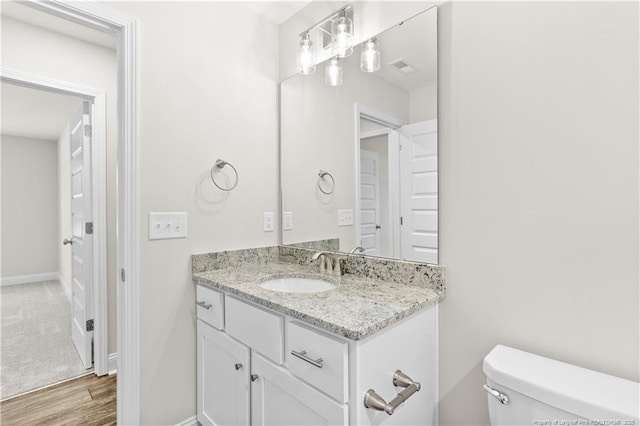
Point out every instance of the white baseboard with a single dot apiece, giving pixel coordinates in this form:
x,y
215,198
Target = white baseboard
x,y
65,286
25,279
191,421
113,363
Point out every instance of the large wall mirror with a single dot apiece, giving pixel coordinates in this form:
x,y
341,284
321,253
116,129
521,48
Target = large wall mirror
x,y
359,161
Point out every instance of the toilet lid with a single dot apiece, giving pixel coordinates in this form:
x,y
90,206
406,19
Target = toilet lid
x,y
586,393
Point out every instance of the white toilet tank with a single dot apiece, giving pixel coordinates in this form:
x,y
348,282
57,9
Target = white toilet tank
x,y
542,391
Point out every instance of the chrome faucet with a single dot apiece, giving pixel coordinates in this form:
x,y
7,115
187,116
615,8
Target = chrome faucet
x,y
358,249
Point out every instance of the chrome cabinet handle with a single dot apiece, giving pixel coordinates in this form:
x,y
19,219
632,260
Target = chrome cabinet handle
x,y
254,377
504,399
303,356
67,241
238,366
204,305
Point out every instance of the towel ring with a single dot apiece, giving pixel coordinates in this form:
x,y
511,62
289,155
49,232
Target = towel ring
x,y
321,176
220,164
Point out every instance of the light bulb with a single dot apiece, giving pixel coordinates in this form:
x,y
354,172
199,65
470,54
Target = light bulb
x,y
342,31
306,56
370,56
333,73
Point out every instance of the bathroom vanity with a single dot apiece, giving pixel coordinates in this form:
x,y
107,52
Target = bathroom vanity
x,y
289,358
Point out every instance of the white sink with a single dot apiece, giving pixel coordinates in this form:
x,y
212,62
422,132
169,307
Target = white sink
x,y
297,285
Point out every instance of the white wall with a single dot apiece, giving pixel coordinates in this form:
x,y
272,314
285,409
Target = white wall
x,y
38,51
29,206
423,104
538,137
65,254
207,87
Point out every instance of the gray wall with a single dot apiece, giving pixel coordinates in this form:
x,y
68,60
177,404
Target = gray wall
x,y
29,206
538,189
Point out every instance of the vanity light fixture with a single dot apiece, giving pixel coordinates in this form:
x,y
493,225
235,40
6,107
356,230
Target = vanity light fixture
x,y
370,56
342,33
333,72
306,56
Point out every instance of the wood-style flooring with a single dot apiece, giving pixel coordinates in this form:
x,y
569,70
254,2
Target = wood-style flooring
x,y
88,400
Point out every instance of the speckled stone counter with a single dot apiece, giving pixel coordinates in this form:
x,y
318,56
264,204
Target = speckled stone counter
x,y
358,307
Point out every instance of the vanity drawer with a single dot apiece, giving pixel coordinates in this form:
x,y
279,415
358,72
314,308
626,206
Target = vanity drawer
x,y
322,360
262,331
210,306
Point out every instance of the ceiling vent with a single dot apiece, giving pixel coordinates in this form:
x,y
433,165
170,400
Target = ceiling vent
x,y
403,66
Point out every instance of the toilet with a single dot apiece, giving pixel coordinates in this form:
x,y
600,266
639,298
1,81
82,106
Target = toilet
x,y
527,389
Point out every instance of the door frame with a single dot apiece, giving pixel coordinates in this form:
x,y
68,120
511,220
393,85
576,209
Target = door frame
x,y
106,19
392,123
99,196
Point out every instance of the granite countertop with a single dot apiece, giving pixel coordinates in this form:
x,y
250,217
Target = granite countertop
x,y
358,307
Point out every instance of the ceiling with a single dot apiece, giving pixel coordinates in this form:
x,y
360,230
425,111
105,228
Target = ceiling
x,y
34,113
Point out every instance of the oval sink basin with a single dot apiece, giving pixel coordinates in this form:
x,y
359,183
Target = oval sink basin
x,y
297,285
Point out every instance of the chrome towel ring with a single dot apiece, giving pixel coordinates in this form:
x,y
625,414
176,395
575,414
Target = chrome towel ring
x,y
220,164
321,177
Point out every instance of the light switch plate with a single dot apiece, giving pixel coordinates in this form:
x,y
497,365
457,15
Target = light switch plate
x,y
268,222
167,225
287,221
345,217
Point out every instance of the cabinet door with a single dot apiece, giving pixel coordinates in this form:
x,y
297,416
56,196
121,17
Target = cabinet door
x,y
222,378
280,399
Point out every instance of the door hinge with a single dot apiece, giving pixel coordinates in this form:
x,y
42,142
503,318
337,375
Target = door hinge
x,y
87,129
122,275
401,221
90,325
88,228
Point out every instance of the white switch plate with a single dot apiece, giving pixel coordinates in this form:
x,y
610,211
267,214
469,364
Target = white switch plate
x,y
287,221
165,225
345,217
268,221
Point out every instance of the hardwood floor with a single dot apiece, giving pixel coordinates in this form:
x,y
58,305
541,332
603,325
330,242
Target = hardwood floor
x,y
88,400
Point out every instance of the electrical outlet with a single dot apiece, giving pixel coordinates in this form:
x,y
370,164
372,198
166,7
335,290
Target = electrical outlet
x,y
163,226
345,217
268,222
287,221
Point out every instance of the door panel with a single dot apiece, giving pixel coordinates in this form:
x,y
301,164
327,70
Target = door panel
x,y
419,191
369,202
82,247
280,399
223,389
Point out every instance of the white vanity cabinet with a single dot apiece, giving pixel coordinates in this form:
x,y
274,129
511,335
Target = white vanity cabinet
x,y
260,367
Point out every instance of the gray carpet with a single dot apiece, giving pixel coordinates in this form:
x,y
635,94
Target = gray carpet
x,y
35,338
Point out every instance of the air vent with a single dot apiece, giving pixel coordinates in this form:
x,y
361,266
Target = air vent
x,y
403,66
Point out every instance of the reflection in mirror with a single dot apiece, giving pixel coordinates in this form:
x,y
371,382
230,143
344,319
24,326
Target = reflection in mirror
x,y
375,135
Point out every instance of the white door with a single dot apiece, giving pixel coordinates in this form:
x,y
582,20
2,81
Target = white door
x,y
82,234
419,191
370,202
222,378
280,399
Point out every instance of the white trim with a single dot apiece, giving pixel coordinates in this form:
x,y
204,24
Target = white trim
x,y
113,363
99,188
191,421
26,279
104,18
65,286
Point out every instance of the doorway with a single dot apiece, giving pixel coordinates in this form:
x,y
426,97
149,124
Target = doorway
x,y
42,293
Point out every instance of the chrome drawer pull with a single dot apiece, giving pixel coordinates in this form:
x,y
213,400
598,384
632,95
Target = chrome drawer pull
x,y
303,356
504,399
204,305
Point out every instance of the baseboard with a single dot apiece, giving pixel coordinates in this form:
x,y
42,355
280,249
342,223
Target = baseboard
x,y
191,421
25,279
113,363
65,287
